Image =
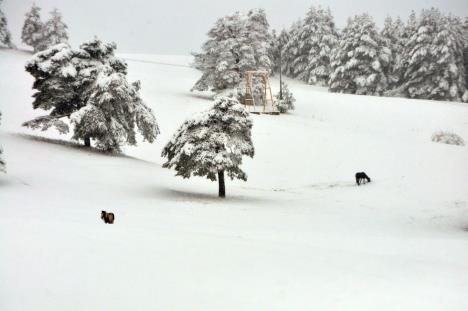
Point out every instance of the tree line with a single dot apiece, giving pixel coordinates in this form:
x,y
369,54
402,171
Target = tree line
x,y
423,57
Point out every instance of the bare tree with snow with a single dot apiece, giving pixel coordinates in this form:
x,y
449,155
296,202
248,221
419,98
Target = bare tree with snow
x,y
212,143
361,59
32,33
89,86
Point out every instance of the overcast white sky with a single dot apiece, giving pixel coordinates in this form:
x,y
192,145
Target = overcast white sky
x,y
180,26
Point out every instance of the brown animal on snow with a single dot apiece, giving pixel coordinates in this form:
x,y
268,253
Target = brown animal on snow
x,y
107,217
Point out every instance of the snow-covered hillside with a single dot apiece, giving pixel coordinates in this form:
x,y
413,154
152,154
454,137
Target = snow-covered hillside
x,y
298,235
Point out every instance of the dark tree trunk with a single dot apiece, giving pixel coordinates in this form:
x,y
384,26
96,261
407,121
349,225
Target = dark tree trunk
x,y
222,187
87,142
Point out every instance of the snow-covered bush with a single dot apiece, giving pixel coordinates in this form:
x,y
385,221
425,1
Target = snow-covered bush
x,y
212,143
5,35
2,161
32,33
449,138
285,101
89,85
236,43
360,61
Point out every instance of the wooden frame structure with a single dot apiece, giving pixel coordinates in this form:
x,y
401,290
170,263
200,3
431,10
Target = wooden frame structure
x,y
249,99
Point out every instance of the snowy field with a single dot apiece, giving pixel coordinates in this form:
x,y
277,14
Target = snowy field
x,y
298,235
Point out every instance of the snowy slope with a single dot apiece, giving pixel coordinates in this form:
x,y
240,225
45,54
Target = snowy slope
x,y
298,235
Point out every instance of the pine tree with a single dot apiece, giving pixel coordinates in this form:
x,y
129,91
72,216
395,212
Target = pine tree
x,y
409,30
392,33
5,36
212,143
320,38
465,55
220,57
113,111
435,58
236,43
2,161
310,45
360,61
256,30
89,86
291,50
278,44
32,33
55,31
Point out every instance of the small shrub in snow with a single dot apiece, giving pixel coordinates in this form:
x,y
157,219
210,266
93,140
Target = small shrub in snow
x,y
447,138
287,102
212,143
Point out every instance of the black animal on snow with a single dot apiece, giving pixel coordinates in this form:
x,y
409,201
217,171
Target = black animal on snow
x,y
362,177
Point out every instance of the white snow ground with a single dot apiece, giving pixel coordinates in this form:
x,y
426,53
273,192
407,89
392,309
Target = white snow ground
x,y
298,235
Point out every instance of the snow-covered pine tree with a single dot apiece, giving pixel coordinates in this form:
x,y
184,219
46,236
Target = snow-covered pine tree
x,y
409,29
285,100
70,83
392,33
5,36
278,44
360,60
256,30
465,54
435,69
236,43
212,143
290,51
32,33
2,161
55,31
113,111
220,56
320,38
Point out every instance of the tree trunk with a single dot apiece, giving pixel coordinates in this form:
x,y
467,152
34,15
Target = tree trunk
x,y
87,142
222,187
